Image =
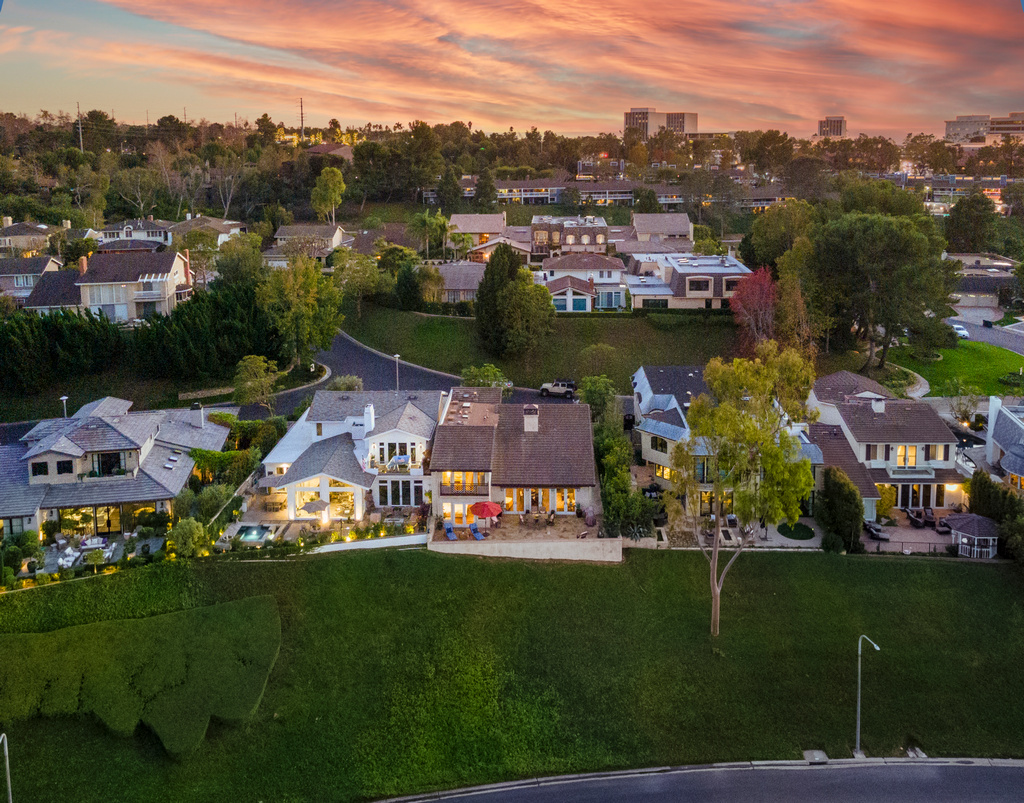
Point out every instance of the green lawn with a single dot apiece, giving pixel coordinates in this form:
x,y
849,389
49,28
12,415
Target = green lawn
x,y
407,671
450,344
978,364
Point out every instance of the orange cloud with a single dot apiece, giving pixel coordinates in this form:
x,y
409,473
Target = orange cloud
x,y
575,66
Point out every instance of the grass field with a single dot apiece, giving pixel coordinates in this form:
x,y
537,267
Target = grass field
x,y
978,364
450,344
406,671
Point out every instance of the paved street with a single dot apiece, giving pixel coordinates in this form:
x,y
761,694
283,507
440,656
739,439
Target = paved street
x,y
348,356
908,782
997,335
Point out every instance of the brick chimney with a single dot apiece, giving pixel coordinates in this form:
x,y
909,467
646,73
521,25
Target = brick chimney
x,y
83,265
8,221
150,218
188,268
531,418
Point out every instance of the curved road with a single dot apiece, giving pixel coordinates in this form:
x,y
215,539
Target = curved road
x,y
997,335
908,781
348,356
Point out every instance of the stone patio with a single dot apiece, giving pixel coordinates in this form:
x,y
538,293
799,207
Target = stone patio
x,y
565,527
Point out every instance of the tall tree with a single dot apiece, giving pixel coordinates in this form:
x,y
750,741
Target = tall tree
x,y
485,194
753,307
449,192
777,228
501,269
202,254
328,193
526,314
645,201
305,306
743,431
255,377
971,224
138,187
357,275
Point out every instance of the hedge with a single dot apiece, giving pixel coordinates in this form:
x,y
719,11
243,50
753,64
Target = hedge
x,y
171,672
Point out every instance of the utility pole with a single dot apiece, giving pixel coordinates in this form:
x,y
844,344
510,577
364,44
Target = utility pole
x,y
184,113
81,147
302,122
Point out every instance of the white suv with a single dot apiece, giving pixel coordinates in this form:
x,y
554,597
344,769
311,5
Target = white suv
x,y
560,387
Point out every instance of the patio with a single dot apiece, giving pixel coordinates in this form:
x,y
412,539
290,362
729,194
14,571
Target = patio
x,y
512,529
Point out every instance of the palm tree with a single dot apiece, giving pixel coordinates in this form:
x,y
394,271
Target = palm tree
x,y
421,225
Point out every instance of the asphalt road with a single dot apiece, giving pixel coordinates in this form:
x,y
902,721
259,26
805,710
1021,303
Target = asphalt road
x,y
347,356
912,782
997,336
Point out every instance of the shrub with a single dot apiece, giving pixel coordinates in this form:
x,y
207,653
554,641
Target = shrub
x,y
159,521
50,528
184,502
830,542
189,537
172,672
42,579
211,500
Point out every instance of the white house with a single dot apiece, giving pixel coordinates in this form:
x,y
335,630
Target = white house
x,y
597,277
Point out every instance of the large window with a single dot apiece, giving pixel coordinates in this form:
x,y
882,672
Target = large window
x,y
40,469
579,304
65,467
699,285
659,444
655,303
906,456
559,304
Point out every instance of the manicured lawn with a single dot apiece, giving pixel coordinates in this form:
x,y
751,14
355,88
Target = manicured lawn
x,y
450,344
978,364
408,671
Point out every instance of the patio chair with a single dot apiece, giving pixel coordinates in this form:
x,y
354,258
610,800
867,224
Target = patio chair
x,y
449,532
551,519
929,517
732,521
476,532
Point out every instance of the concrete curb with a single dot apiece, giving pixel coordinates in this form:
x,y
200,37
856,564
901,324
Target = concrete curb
x,y
745,766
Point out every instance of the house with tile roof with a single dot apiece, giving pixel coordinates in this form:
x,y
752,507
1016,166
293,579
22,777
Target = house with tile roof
x,y
1004,441
683,280
316,240
134,285
25,239
97,470
461,280
155,233
526,458
19,275
54,291
597,278
900,443
481,227
674,228
223,230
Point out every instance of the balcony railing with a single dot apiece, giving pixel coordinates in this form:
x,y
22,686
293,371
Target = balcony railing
x,y
462,489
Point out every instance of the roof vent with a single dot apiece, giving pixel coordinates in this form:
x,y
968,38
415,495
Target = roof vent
x,y
413,398
345,397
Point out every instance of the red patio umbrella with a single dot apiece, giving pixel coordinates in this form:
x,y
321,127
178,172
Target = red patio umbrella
x,y
485,510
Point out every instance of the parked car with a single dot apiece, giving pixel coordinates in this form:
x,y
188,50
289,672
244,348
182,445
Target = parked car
x,y
961,331
560,387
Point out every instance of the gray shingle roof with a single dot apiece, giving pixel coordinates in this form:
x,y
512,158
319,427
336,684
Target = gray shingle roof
x,y
676,380
973,525
130,267
17,497
27,266
408,418
1007,430
844,385
57,288
326,230
901,421
461,276
675,224
334,457
337,405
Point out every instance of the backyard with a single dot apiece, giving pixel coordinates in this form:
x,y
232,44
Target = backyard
x,y
450,344
978,364
403,671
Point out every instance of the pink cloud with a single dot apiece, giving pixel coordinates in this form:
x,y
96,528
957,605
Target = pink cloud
x,y
576,66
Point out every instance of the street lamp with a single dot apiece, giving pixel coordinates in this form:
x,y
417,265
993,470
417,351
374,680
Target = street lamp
x,y
64,401
396,373
860,643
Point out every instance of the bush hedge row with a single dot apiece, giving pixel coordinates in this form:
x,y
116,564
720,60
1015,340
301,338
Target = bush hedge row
x,y
171,672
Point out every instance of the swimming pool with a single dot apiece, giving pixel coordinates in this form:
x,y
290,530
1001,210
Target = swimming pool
x,y
255,535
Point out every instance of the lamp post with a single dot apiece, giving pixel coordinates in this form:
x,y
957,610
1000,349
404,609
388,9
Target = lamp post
x,y
64,401
396,373
860,643
7,765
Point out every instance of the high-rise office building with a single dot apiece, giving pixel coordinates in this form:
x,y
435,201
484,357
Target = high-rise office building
x,y
969,126
649,121
832,127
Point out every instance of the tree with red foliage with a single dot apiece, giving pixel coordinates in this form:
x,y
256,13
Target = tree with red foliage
x,y
753,308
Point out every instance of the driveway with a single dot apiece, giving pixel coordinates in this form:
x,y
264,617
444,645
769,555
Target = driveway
x,y
348,356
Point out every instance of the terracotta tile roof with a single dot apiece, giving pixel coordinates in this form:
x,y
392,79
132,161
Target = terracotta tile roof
x,y
559,454
844,385
478,224
571,282
900,421
836,451
461,448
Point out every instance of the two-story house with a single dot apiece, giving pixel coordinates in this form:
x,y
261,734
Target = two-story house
x,y
148,232
223,230
351,444
315,240
683,281
25,239
554,236
662,396
18,276
902,443
527,458
97,470
1004,441
133,286
481,227
581,282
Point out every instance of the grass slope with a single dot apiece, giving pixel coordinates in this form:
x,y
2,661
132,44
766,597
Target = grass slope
x,y
406,671
171,672
978,364
450,344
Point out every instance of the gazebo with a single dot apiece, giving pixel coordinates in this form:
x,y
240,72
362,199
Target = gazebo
x,y
974,536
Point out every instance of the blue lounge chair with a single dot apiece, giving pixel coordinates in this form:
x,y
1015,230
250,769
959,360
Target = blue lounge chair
x,y
449,532
476,532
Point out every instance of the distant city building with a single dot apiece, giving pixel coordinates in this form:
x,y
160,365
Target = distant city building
x,y
832,127
970,126
649,121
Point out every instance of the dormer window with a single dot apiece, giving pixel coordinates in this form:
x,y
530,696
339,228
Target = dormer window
x,y
41,469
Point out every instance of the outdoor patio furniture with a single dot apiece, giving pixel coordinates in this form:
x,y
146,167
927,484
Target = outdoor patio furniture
x,y
476,532
449,532
61,542
929,517
942,527
551,519
582,534
732,521
916,518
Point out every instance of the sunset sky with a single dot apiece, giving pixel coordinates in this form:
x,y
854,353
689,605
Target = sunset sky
x,y
889,66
